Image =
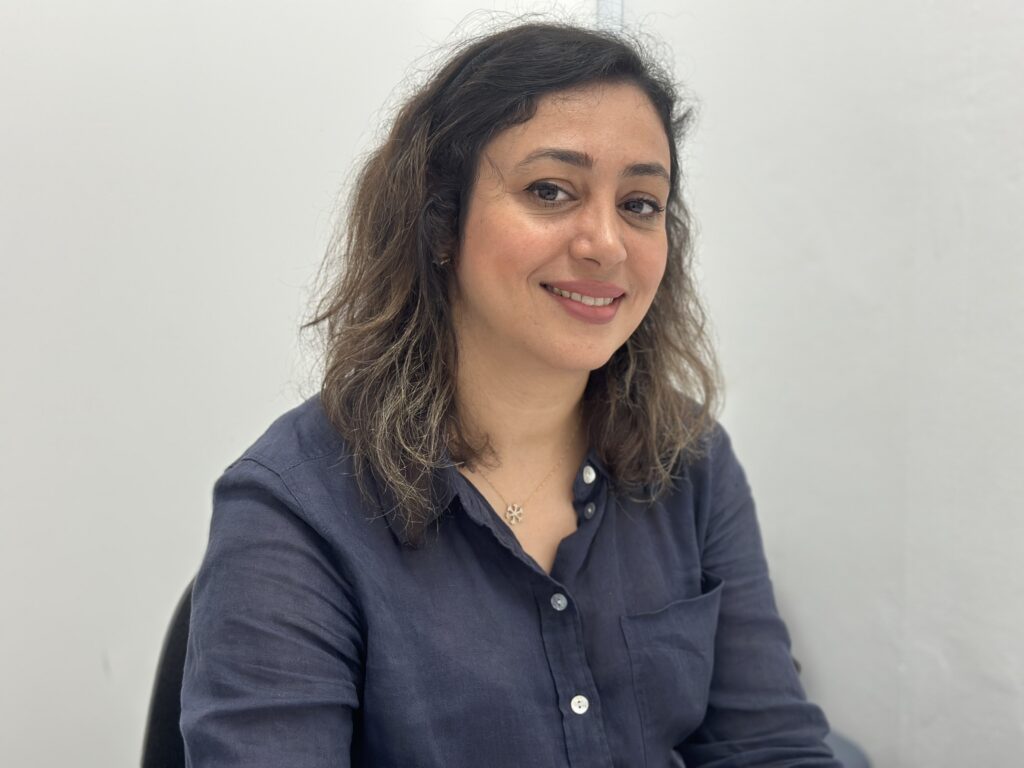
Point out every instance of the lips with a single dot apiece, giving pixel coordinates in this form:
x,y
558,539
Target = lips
x,y
591,293
587,300
590,301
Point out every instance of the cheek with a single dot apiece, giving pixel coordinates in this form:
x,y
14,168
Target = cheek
x,y
659,273
653,269
650,274
491,247
508,259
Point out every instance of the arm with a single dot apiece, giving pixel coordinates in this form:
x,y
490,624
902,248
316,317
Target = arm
x,y
757,712
273,667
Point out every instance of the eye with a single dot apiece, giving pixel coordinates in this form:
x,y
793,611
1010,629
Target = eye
x,y
643,207
548,193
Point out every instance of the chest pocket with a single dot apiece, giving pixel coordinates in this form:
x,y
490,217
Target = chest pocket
x,y
672,655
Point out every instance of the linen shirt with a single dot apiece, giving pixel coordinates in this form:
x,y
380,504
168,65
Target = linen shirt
x,y
321,636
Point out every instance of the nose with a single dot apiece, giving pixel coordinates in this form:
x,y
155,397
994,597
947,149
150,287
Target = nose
x,y
598,237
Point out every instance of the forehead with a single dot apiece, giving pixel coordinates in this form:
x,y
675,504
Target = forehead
x,y
613,122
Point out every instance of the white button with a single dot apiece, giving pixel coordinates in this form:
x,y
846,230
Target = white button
x,y
579,705
589,510
558,601
589,475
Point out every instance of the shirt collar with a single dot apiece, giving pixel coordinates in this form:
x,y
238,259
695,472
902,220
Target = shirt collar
x,y
442,491
445,489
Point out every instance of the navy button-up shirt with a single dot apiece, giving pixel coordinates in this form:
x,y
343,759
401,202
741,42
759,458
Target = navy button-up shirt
x,y
321,637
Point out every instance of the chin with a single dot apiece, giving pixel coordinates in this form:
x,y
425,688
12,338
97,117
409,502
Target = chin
x,y
581,361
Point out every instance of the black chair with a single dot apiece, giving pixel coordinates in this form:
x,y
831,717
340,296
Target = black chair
x,y
162,745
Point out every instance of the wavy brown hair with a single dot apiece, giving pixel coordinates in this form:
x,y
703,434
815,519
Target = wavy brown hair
x,y
390,353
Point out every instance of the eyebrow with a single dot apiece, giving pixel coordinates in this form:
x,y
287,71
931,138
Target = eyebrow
x,y
583,160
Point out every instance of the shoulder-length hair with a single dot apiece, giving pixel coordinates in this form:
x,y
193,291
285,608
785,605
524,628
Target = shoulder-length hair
x,y
390,353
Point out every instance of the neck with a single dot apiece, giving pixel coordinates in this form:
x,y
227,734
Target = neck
x,y
527,416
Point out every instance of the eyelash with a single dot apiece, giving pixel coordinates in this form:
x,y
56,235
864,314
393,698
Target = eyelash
x,y
535,187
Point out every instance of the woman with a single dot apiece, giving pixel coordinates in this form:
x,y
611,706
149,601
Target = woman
x,y
507,532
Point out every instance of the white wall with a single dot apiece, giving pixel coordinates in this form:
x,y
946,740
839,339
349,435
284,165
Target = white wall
x,y
167,176
857,173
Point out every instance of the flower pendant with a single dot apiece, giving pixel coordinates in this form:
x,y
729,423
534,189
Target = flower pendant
x,y
513,514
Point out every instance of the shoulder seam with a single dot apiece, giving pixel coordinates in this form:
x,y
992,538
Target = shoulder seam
x,y
263,462
256,460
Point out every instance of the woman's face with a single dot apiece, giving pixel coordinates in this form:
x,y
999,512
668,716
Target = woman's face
x,y
564,240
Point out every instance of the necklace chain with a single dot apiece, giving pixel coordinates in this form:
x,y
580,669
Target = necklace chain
x,y
514,512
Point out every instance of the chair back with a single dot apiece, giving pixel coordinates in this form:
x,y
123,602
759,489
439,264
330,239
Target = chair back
x,y
162,745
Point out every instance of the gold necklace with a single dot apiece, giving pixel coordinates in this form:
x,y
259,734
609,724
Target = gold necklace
x,y
514,512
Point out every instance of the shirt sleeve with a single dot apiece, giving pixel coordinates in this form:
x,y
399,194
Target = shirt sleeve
x,y
273,668
757,713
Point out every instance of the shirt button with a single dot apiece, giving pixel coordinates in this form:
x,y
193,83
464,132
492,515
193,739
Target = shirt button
x,y
589,510
579,705
589,475
558,601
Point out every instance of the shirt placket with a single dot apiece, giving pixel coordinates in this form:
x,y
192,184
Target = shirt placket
x,y
578,700
562,631
561,625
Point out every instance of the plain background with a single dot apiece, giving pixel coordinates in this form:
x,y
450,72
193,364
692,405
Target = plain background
x,y
168,176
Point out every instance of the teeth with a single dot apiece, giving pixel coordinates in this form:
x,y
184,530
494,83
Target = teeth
x,y
590,301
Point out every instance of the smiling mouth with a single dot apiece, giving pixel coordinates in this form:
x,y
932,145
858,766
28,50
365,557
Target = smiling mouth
x,y
590,301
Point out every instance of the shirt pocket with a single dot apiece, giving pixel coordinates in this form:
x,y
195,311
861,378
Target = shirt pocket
x,y
672,653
